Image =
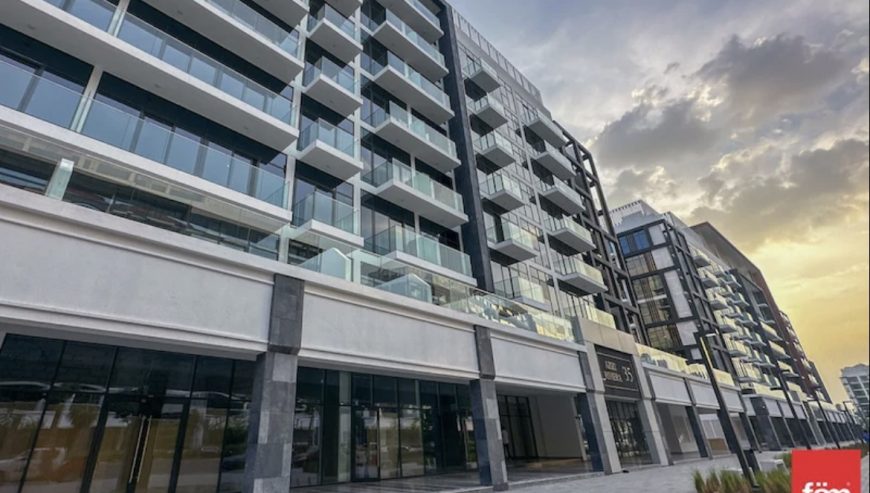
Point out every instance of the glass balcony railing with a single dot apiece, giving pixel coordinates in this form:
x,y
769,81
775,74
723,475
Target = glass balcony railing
x,y
512,232
557,224
242,13
417,79
576,265
169,49
494,139
428,14
663,359
499,182
334,17
399,239
56,103
563,189
320,207
589,312
423,183
415,38
97,13
321,131
544,147
485,101
343,76
472,67
181,56
519,287
421,129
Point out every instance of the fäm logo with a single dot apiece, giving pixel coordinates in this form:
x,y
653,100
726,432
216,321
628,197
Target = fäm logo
x,y
826,471
822,487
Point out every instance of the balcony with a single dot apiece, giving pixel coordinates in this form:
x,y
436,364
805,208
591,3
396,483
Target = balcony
x,y
289,11
700,259
490,111
571,233
323,222
482,75
503,191
496,149
330,149
729,280
410,86
512,241
161,64
726,326
755,341
736,348
402,40
770,332
346,7
553,160
564,197
424,252
546,129
417,16
523,291
335,33
577,273
414,136
739,300
242,30
779,352
398,183
709,282
145,144
332,85
717,302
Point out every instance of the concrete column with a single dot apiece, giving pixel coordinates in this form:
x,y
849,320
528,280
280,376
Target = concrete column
x,y
598,432
269,454
698,431
487,435
491,465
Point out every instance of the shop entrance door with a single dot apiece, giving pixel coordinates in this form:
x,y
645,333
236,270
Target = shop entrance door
x,y
136,446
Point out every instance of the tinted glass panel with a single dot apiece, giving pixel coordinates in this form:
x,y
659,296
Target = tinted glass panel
x,y
149,372
85,367
28,363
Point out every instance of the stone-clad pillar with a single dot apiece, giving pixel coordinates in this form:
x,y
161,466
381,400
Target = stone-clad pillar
x,y
269,454
484,411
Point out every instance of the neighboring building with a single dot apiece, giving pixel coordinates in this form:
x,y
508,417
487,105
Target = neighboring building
x,y
692,281
856,380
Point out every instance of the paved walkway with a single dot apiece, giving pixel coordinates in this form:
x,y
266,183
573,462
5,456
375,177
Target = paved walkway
x,y
672,479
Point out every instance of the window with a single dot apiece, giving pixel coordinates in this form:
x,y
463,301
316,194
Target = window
x,y
655,310
640,264
665,337
632,242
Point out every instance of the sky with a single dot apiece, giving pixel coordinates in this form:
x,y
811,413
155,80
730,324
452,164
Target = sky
x,y
750,115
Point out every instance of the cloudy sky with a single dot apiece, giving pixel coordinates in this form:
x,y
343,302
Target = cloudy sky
x,y
751,115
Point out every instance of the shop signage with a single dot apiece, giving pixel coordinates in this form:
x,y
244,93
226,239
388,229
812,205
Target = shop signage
x,y
617,370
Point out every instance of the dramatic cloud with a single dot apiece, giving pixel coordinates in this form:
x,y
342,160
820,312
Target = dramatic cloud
x,y
771,76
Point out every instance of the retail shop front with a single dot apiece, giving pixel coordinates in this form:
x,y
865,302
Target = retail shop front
x,y
76,416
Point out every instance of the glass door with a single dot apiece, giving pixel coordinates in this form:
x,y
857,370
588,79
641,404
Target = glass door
x,y
366,464
137,447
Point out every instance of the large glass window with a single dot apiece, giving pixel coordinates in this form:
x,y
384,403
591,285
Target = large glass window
x,y
98,418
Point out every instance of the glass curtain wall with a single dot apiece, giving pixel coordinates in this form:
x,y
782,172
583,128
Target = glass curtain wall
x,y
98,418
353,427
631,443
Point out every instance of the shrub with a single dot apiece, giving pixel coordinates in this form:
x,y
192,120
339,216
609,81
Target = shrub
x,y
776,481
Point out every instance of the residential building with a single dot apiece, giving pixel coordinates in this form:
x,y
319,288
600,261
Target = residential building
x,y
856,381
255,245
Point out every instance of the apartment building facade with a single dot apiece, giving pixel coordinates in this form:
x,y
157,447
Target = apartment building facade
x,y
256,245
259,245
670,264
856,381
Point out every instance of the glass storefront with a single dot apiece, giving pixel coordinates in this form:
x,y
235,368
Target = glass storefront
x,y
628,433
518,434
353,427
105,419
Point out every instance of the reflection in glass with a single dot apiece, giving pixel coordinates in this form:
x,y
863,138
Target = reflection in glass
x,y
158,452
19,419
306,446
203,439
365,466
412,443
235,444
114,461
388,443
63,443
